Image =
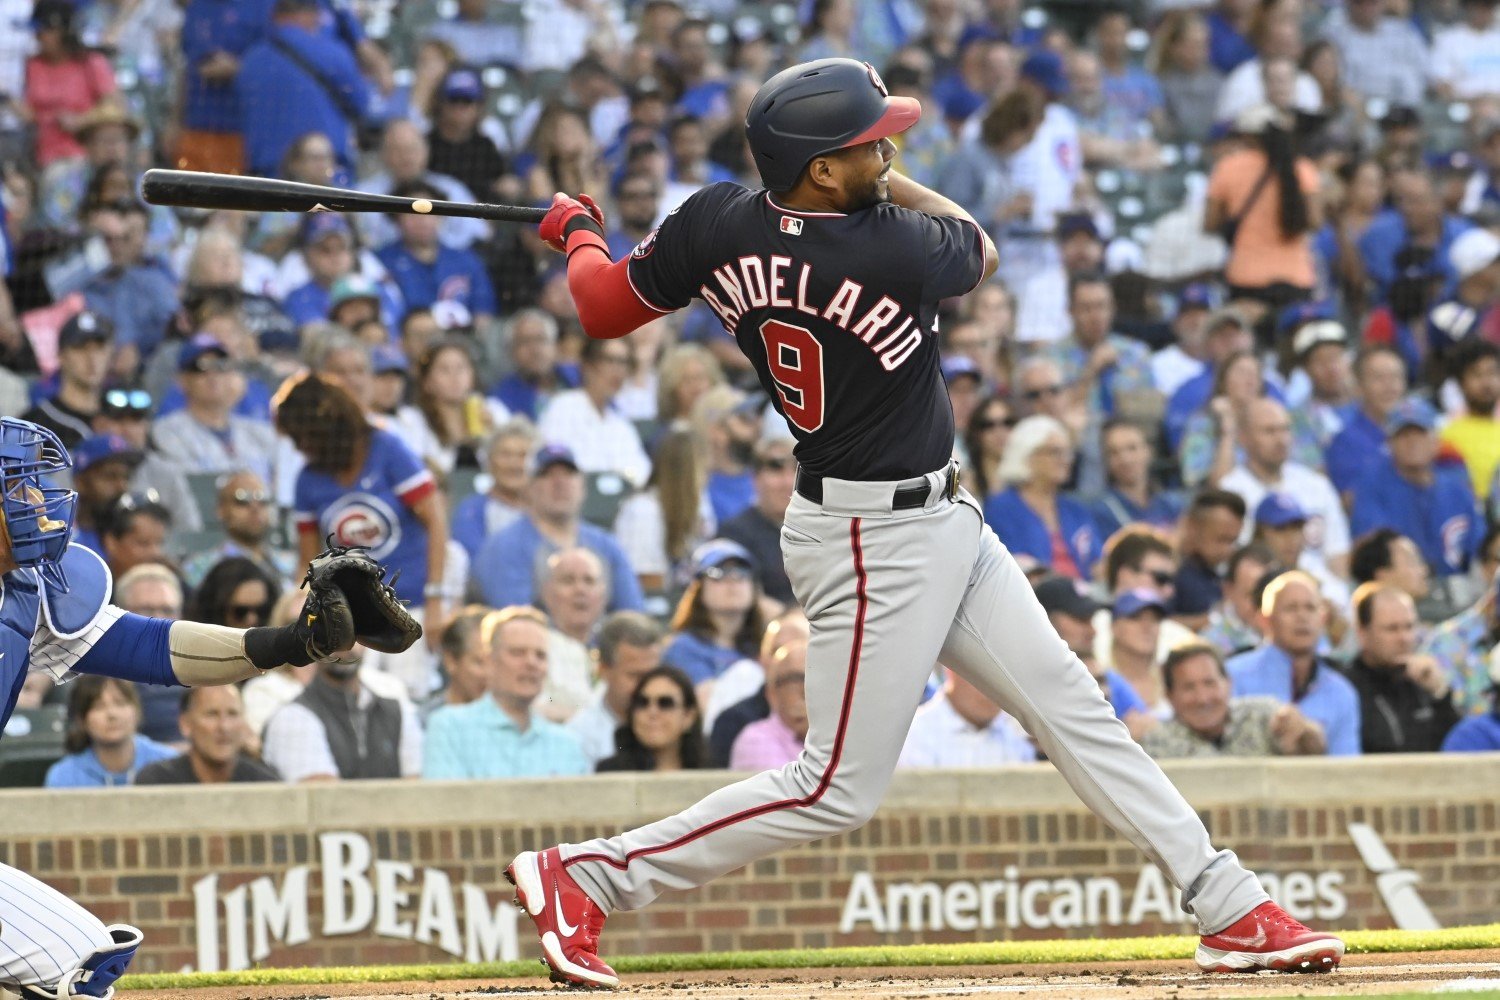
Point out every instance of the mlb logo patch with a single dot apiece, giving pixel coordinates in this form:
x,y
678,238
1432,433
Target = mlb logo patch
x,y
791,226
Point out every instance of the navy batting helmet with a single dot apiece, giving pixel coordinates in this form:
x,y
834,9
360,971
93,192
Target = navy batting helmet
x,y
817,107
38,516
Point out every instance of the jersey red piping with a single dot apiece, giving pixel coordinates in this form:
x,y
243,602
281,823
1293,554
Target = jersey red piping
x,y
979,235
805,215
644,301
861,606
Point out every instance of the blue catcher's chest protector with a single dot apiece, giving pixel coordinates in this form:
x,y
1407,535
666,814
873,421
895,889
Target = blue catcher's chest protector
x,y
26,602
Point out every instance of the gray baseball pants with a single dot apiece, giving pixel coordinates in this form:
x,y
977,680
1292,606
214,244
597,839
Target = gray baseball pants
x,y
888,594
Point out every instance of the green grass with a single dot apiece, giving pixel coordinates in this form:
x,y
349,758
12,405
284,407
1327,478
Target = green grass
x,y
985,953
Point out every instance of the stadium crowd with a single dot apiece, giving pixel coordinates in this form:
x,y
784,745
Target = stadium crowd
x,y
1231,399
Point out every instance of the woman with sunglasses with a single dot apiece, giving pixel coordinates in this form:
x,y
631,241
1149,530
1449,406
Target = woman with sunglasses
x,y
235,592
664,731
984,441
719,619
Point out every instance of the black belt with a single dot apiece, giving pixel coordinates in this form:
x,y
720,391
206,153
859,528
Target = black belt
x,y
906,497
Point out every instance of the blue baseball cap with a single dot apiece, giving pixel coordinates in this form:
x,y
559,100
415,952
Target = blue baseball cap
x,y
1198,295
1045,68
549,455
1133,602
958,366
1294,316
321,225
102,448
386,359
1278,510
201,345
718,552
462,84
85,327
1412,411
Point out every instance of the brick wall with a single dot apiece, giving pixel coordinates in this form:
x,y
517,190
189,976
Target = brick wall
x,y
143,867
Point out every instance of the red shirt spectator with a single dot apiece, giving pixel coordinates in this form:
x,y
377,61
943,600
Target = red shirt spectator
x,y
63,80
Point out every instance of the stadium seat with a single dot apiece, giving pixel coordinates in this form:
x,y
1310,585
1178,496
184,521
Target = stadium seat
x,y
604,492
32,742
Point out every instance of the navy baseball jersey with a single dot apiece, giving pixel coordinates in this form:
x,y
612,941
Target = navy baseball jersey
x,y
837,312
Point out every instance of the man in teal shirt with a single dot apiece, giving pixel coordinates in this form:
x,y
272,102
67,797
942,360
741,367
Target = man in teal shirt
x,y
499,734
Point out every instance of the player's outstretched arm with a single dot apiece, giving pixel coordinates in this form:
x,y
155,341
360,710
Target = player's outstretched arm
x,y
907,193
608,305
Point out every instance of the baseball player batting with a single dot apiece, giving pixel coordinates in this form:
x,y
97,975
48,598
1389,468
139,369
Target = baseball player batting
x,y
830,279
55,615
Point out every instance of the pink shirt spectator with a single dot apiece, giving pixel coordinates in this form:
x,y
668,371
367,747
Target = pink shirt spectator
x,y
69,87
764,746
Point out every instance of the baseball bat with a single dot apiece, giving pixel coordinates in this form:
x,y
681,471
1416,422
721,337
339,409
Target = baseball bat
x,y
191,189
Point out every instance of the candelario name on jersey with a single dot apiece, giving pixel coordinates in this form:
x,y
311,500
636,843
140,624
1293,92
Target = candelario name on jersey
x,y
779,282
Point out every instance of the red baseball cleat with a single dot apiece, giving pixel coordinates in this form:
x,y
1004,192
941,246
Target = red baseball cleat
x,y
1269,938
567,920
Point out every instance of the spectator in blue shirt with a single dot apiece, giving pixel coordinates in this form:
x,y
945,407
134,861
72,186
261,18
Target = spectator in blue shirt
x,y
1128,88
104,748
215,36
718,621
1229,27
1132,494
1418,219
536,374
136,293
1287,666
1380,381
426,271
295,80
511,561
1409,490
1478,733
500,734
1032,515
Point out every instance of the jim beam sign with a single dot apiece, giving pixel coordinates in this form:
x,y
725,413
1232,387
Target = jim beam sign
x,y
396,900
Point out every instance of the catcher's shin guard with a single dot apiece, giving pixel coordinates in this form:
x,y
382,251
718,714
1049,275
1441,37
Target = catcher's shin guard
x,y
95,974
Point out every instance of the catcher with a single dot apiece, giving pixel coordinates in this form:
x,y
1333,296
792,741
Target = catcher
x,y
56,616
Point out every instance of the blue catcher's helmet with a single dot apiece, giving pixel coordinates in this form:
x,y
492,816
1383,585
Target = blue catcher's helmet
x,y
38,516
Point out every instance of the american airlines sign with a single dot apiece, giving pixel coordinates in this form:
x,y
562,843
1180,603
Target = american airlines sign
x,y
1065,903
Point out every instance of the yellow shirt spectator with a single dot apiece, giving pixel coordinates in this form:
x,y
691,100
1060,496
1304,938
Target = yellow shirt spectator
x,y
1477,441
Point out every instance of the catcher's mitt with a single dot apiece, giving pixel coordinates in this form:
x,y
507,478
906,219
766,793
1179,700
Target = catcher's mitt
x,y
346,585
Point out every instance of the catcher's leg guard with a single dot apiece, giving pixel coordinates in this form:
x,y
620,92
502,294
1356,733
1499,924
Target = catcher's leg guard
x,y
94,975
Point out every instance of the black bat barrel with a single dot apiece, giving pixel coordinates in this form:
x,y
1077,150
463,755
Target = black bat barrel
x,y
191,189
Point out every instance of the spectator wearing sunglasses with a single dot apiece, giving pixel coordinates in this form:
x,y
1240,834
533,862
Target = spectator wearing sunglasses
x,y
246,512
83,350
235,592
207,435
1138,557
719,620
758,527
984,444
456,145
664,731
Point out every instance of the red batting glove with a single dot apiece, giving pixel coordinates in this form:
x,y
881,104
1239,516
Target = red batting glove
x,y
567,216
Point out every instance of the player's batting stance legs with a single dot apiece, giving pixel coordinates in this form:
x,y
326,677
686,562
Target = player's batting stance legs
x,y
887,594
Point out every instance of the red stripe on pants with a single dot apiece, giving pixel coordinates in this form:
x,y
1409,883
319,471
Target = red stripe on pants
x,y
861,606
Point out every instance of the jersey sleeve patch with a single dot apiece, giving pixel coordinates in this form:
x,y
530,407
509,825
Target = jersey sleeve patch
x,y
69,613
663,268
